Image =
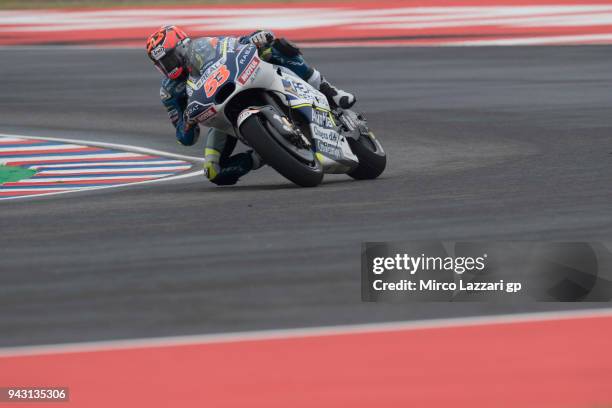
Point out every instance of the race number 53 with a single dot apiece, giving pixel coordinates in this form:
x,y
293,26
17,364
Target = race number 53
x,y
217,79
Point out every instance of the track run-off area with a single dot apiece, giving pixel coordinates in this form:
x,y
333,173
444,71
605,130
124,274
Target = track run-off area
x,y
484,143
502,361
390,23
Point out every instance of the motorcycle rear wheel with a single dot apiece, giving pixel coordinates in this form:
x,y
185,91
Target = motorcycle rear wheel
x,y
372,159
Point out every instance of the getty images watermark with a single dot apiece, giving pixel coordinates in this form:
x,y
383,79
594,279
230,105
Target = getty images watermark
x,y
458,265
476,271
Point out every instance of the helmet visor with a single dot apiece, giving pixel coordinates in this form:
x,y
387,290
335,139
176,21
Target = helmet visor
x,y
170,65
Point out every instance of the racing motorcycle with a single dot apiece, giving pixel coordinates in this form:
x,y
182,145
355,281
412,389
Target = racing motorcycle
x,y
289,123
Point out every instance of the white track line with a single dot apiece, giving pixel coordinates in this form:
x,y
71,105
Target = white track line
x,y
180,176
127,164
76,179
561,39
42,190
11,139
128,148
50,149
33,159
340,330
131,170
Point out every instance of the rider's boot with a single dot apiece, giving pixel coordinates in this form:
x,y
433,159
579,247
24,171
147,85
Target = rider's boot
x,y
256,160
335,96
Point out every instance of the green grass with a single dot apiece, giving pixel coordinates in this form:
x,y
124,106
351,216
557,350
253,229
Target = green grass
x,y
10,174
39,4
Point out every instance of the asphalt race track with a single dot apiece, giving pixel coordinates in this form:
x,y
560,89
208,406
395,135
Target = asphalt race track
x,y
483,143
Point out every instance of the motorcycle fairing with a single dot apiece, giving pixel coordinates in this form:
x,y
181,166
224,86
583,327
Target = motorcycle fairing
x,y
333,150
247,71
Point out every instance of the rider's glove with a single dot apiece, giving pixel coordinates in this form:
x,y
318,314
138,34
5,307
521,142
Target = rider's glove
x,y
262,38
187,133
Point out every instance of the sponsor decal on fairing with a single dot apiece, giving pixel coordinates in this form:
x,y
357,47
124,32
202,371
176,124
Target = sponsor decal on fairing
x,y
207,114
321,118
249,71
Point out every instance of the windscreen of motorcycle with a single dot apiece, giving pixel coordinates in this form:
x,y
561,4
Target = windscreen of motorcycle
x,y
232,66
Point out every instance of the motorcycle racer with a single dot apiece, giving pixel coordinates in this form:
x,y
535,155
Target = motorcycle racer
x,y
176,55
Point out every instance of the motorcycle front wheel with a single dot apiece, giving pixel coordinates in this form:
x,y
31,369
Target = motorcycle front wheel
x,y
264,139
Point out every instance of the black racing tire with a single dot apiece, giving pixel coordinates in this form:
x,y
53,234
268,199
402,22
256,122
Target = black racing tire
x,y
372,159
255,132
